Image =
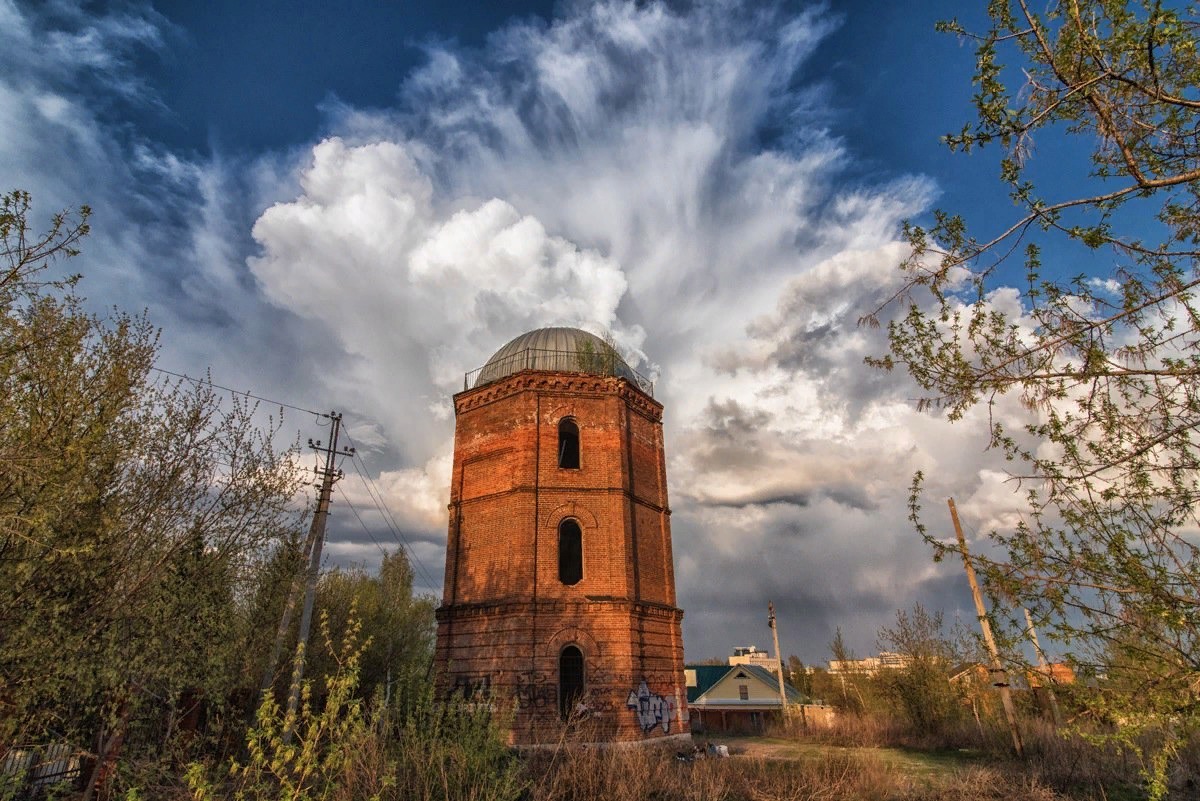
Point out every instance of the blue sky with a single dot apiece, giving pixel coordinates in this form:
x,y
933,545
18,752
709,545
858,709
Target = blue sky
x,y
350,205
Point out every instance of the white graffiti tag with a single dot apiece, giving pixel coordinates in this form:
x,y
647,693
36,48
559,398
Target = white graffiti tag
x,y
650,709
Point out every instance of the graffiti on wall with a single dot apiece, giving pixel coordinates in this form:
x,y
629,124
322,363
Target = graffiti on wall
x,y
650,708
471,686
538,696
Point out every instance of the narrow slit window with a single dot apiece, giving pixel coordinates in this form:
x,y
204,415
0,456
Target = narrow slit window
x,y
570,680
570,552
568,444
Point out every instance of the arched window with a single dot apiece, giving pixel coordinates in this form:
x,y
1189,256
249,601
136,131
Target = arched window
x,y
568,444
570,680
570,552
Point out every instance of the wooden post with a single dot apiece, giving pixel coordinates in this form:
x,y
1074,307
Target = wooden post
x,y
999,675
329,475
1047,676
778,656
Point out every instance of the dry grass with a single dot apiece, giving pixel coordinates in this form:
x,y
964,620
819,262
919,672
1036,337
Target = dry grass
x,y
455,753
876,730
1066,761
577,773
650,774
1090,768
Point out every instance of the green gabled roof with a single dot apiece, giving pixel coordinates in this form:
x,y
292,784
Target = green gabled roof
x,y
709,675
706,677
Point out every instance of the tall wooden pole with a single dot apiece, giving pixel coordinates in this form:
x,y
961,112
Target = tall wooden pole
x,y
778,655
999,674
1044,666
289,609
329,474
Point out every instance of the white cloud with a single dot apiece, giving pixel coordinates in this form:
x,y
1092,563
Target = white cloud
x,y
418,295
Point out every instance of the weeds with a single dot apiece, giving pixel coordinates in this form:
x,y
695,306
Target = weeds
x,y
637,774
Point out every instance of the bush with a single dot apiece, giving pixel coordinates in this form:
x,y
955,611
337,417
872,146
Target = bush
x,y
455,750
338,747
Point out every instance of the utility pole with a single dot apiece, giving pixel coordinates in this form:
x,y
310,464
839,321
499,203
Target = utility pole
x,y
285,622
778,655
316,539
1043,665
999,675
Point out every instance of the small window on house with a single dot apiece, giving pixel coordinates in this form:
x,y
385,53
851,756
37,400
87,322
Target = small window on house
x,y
570,680
570,552
744,692
568,444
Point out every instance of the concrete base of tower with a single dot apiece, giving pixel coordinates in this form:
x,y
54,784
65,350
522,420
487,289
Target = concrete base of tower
x,y
598,671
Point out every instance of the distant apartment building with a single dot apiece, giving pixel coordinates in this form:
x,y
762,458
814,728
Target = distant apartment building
x,y
869,666
750,655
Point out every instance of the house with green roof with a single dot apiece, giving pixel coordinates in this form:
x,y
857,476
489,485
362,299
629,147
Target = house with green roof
x,y
734,698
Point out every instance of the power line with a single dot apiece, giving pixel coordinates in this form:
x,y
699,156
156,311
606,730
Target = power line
x,y
393,527
373,491
209,382
389,519
358,517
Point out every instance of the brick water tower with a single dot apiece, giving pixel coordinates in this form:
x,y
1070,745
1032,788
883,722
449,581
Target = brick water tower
x,y
560,589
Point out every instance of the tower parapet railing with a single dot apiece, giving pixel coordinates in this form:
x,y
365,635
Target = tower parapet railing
x,y
600,362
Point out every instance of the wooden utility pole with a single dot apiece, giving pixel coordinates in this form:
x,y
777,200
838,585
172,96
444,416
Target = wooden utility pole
x,y
1044,666
289,610
329,474
778,655
999,674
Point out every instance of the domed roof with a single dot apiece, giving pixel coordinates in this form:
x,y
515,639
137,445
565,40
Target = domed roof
x,y
567,350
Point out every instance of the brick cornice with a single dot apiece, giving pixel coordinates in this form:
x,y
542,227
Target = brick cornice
x,y
582,608
561,490
551,381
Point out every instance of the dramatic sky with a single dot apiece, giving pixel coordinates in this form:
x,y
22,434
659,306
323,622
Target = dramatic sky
x,y
348,205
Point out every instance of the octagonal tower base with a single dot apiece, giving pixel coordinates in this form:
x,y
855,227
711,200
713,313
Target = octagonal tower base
x,y
559,591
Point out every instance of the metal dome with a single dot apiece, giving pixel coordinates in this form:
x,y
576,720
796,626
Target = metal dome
x,y
567,350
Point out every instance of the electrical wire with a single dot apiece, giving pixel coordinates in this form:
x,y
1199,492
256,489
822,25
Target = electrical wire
x,y
358,517
393,527
364,475
389,519
211,383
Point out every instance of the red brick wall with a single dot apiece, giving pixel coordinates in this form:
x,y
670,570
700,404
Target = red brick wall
x,y
506,616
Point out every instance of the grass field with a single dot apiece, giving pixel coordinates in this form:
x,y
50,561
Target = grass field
x,y
890,772
909,767
778,769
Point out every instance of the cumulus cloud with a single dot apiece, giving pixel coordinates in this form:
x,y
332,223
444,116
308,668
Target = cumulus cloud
x,y
413,296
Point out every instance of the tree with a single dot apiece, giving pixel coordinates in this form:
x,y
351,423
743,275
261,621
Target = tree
x,y
134,512
919,686
1106,362
851,697
799,675
397,658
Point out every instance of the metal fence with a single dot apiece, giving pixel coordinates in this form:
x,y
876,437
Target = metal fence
x,y
31,772
602,362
